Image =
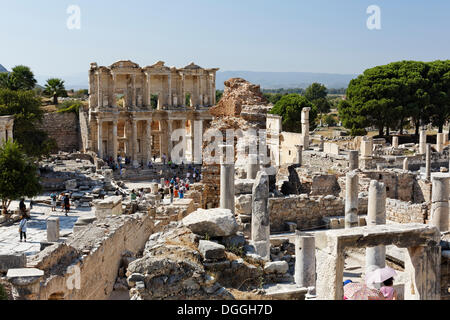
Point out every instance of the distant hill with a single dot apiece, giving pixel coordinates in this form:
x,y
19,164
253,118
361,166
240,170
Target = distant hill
x,y
267,80
277,80
2,69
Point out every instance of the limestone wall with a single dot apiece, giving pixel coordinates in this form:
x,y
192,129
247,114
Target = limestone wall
x,y
64,128
404,212
306,211
98,249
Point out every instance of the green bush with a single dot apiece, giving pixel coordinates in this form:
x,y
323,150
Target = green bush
x,y
330,120
3,294
70,106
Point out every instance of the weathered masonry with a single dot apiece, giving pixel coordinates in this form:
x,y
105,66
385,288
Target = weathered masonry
x,y
133,111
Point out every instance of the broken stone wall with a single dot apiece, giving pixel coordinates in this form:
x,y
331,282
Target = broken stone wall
x,y
64,128
398,185
405,212
98,249
306,211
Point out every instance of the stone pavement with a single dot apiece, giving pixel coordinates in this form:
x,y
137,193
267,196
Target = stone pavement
x,y
37,228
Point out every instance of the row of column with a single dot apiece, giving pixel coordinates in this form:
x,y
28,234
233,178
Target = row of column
x,y
6,134
189,147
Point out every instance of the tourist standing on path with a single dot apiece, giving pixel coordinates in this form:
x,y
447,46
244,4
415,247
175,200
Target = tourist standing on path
x,y
23,228
67,204
53,200
164,158
22,207
133,195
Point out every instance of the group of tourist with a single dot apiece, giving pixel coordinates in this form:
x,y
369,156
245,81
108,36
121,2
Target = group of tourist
x,y
64,199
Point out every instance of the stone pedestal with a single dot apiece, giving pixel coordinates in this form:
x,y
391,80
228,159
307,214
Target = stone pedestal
x,y
376,215
395,142
53,229
351,199
71,185
439,201
260,234
154,188
406,164
353,160
108,206
305,260
321,143
25,282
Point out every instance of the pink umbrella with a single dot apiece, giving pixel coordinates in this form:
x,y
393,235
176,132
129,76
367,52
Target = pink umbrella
x,y
359,291
380,275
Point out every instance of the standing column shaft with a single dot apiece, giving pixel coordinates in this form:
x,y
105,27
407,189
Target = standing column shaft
x,y
440,142
305,260
376,214
100,138
305,127
299,155
149,140
260,234
135,143
422,141
351,200
353,160
428,162
227,178
115,142
169,139
198,140
439,202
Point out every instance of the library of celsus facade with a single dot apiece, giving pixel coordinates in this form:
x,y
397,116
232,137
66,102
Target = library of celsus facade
x,y
133,111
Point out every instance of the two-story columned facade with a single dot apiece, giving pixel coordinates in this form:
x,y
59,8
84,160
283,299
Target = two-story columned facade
x,y
133,111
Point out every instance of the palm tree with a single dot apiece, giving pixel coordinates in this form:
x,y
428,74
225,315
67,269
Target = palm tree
x,y
55,88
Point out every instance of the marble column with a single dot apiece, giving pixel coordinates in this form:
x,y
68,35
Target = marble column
x,y
149,91
406,164
184,140
148,140
169,98
113,91
169,139
305,127
440,142
190,141
100,138
351,199
305,260
422,141
321,143
428,162
227,177
260,233
353,160
439,201
198,141
115,141
135,144
133,103
395,142
376,215
99,90
299,158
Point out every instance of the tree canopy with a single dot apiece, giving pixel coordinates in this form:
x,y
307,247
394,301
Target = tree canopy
x,y
55,88
387,96
18,174
317,93
289,107
25,107
21,78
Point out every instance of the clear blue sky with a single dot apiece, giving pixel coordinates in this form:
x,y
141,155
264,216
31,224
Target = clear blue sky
x,y
256,35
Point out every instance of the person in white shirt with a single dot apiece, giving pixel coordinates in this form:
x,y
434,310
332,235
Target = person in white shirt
x,y
23,229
